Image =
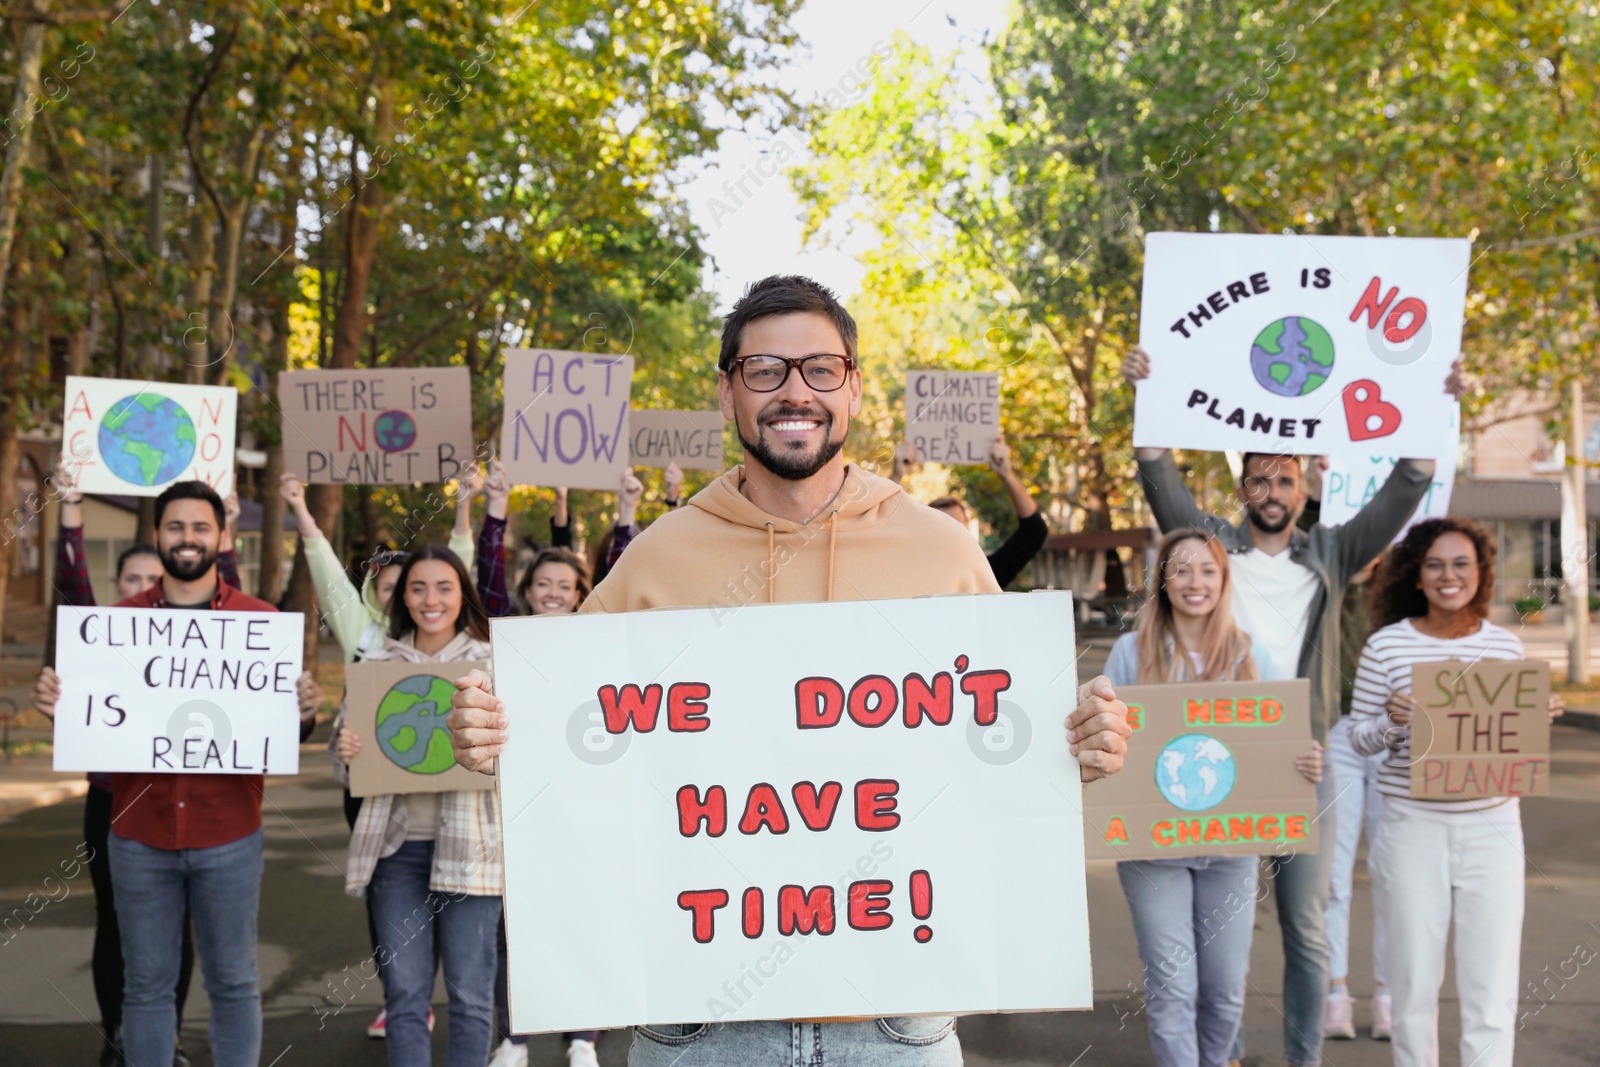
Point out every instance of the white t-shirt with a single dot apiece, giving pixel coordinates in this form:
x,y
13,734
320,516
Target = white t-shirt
x,y
1272,603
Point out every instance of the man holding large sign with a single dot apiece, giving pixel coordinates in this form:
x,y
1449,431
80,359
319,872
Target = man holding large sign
x,y
1298,343
187,838
794,524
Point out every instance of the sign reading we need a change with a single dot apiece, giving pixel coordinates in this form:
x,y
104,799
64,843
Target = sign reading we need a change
x,y
393,426
566,418
136,438
1299,345
1210,770
952,416
881,817
1482,729
186,692
398,712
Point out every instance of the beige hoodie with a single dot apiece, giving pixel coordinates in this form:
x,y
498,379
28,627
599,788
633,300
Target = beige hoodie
x,y
873,542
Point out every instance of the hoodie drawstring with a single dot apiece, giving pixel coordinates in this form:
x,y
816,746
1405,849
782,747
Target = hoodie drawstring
x,y
833,540
772,563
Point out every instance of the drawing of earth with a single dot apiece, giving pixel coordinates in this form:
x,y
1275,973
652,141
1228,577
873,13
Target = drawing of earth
x,y
395,431
410,726
1195,772
147,439
1292,357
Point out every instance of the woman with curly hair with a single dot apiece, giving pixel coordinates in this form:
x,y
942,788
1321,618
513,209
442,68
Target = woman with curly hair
x,y
1434,862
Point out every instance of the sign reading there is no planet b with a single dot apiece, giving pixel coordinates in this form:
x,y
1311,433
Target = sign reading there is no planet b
x,y
392,426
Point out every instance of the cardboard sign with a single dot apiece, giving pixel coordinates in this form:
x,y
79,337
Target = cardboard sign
x,y
1483,730
1299,344
877,812
136,438
691,439
1350,482
952,416
566,418
1210,771
398,711
376,427
180,691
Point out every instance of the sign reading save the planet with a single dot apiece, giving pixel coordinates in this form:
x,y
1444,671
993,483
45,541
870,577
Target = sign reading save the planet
x,y
398,712
1302,345
392,426
1210,770
136,438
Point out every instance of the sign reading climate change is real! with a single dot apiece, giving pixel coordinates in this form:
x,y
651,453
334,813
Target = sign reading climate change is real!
x,y
136,438
393,426
780,828
1303,345
174,691
952,416
1210,770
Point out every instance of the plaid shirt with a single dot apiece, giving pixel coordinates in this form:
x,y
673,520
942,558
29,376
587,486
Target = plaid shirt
x,y
466,839
492,588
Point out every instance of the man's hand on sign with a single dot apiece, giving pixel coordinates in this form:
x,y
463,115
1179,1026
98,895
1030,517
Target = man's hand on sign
x,y
1309,764
1098,730
905,457
1000,456
294,494
46,691
310,694
628,498
1458,383
346,745
477,723
1558,707
470,482
1401,706
1135,365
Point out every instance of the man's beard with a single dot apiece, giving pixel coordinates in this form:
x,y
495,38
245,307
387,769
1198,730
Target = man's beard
x,y
1260,521
789,464
187,572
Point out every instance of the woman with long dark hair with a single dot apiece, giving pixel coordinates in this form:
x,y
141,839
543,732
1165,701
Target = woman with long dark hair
x,y
432,858
1194,970
1435,863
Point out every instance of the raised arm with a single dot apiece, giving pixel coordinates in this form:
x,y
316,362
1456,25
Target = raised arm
x,y
491,543
72,570
467,487
339,601
1169,499
561,521
1032,531
227,559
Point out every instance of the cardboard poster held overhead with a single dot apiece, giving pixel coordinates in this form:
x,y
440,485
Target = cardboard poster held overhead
x,y
820,809
952,416
136,438
1299,344
1350,482
1483,729
691,439
186,692
566,418
398,711
1209,771
393,426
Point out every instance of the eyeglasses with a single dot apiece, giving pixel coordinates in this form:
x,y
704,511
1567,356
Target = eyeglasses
x,y
823,372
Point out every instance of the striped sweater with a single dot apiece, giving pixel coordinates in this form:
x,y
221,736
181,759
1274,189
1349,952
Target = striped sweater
x,y
1385,668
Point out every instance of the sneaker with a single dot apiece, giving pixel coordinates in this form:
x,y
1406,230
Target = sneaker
x,y
1382,1017
1340,1021
580,1053
111,1050
430,1020
180,1058
379,1027
509,1055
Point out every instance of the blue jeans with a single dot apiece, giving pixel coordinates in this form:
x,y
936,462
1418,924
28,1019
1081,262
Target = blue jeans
x,y
405,910
913,1041
222,888
1193,918
1300,883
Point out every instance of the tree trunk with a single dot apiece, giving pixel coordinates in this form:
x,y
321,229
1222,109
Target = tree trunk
x,y
363,223
155,236
202,273
22,111
144,531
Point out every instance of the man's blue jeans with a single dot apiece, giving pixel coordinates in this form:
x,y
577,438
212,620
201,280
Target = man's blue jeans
x,y
406,912
222,888
1193,918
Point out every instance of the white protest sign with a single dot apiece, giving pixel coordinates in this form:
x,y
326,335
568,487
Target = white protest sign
x,y
137,438
566,418
871,805
691,439
163,689
952,416
1291,344
393,426
1351,481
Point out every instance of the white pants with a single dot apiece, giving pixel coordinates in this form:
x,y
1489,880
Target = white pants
x,y
1430,867
1357,803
